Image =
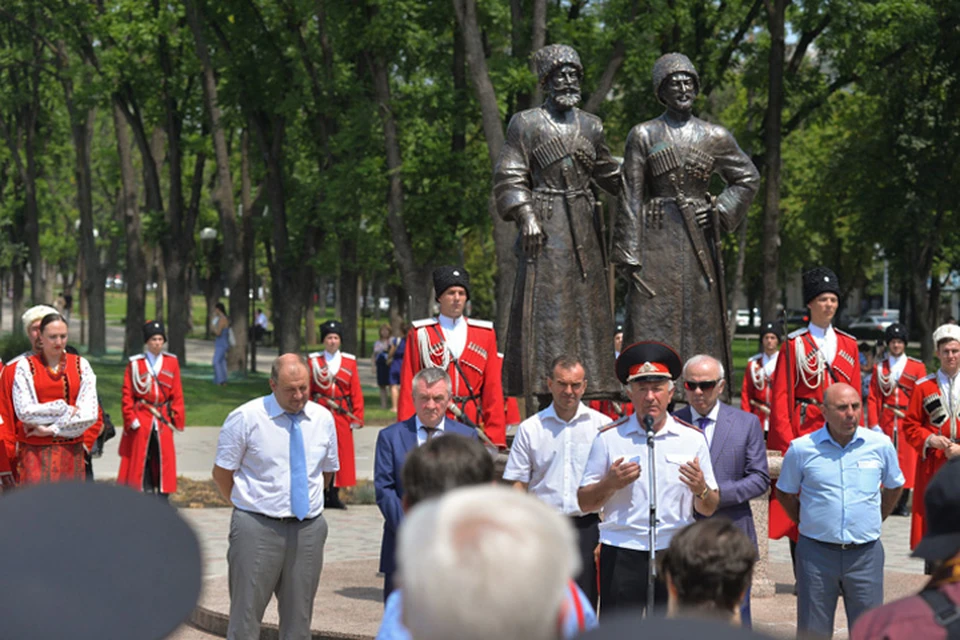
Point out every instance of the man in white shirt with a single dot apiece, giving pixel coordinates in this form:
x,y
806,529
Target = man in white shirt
x,y
616,478
550,451
275,455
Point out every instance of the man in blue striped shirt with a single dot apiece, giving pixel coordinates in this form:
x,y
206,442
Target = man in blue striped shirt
x,y
830,485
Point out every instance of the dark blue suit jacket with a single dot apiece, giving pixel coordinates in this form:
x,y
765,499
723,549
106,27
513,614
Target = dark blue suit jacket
x,y
739,457
393,444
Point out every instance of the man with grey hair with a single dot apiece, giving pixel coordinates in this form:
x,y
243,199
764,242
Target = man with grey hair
x,y
613,481
737,449
8,453
275,456
431,398
485,562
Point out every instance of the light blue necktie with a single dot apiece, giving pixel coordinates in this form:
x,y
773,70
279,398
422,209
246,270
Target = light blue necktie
x,y
299,492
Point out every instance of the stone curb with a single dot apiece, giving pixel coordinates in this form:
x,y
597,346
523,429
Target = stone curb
x,y
216,623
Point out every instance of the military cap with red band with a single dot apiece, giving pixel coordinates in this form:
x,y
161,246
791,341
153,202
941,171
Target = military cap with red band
x,y
648,360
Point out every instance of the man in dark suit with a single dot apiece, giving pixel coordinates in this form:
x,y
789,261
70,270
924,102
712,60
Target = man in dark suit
x,y
431,397
737,450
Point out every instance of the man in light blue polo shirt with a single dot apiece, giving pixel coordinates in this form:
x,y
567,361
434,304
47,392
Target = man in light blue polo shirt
x,y
830,485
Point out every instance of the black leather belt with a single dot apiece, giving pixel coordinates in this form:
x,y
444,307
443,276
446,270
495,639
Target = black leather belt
x,y
846,546
285,518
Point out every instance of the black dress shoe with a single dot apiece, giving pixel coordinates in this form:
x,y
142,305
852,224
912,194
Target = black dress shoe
x,y
331,499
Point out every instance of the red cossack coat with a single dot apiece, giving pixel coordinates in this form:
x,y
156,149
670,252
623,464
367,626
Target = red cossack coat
x,y
345,392
163,392
887,405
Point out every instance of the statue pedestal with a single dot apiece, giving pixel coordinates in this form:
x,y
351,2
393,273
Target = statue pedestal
x,y
763,587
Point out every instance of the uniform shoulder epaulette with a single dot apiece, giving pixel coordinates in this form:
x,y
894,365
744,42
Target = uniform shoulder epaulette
x,y
929,376
756,358
423,322
483,324
799,332
613,425
348,356
167,354
687,424
314,354
915,359
844,333
139,356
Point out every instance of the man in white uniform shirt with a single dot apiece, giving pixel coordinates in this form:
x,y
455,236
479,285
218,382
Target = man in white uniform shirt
x,y
616,478
550,451
275,455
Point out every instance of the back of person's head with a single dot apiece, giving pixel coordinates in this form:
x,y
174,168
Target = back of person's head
x,y
442,464
709,566
485,562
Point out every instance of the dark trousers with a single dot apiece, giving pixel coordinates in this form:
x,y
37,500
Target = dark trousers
x,y
151,470
623,581
588,537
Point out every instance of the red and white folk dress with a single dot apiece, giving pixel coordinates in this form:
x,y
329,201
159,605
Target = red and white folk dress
x,y
64,396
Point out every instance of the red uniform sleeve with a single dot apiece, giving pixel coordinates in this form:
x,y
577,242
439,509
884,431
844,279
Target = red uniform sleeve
x,y
179,417
491,396
916,427
745,390
126,397
356,393
512,411
874,400
782,430
409,368
8,432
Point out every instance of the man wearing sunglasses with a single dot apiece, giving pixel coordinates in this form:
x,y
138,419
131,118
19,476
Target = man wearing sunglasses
x,y
616,478
737,449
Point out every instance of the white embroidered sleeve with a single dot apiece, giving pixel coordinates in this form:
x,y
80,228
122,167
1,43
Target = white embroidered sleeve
x,y
25,403
71,424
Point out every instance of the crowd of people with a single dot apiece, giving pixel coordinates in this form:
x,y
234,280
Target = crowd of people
x,y
594,516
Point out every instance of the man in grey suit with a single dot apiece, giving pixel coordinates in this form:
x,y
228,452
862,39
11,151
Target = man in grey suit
x,y
737,449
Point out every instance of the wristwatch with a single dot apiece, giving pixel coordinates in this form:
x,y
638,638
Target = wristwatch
x,y
704,493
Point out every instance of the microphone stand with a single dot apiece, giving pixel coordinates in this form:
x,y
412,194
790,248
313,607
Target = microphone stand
x,y
652,526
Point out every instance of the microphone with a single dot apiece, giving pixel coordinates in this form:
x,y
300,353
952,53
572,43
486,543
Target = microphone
x,y
648,423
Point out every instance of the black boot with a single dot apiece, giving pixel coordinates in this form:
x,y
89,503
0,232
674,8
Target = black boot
x,y
332,499
903,505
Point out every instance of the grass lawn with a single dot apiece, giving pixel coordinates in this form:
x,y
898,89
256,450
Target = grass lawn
x,y
206,403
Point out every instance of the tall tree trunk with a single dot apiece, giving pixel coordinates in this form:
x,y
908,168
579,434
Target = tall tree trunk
x,y
504,233
349,277
16,302
93,284
136,273
412,275
232,247
776,12
249,248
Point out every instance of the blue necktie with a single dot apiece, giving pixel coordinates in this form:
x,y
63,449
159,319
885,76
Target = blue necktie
x,y
299,492
703,423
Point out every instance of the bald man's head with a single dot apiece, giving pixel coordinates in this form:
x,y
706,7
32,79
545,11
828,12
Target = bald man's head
x,y
842,407
836,389
290,382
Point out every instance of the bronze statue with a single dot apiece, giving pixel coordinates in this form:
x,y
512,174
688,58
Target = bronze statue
x,y
561,302
669,228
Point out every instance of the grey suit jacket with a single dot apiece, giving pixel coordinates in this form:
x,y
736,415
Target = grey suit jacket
x,y
739,457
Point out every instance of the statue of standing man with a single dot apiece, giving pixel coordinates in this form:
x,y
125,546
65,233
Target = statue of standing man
x,y
669,228
561,302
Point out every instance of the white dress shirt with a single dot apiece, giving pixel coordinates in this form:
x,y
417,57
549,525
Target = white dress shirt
x,y
711,426
549,455
454,333
626,515
333,361
826,341
422,433
254,442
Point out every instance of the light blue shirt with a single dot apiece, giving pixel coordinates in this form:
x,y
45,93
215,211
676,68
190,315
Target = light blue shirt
x,y
392,628
839,487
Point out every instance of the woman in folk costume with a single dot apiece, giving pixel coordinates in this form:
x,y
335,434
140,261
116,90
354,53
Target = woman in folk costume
x,y
335,384
152,404
932,422
54,404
